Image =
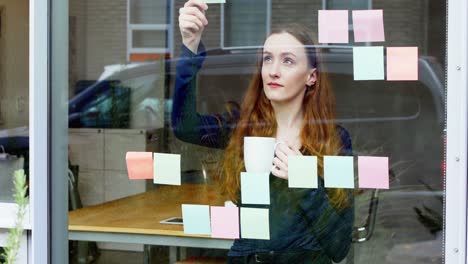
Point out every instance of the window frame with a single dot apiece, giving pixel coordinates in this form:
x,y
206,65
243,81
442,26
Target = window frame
x,y
168,28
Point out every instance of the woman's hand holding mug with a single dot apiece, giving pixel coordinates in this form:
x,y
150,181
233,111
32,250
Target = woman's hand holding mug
x,y
192,22
280,163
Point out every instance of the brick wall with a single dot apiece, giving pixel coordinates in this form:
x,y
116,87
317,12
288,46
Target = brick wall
x,y
106,35
101,24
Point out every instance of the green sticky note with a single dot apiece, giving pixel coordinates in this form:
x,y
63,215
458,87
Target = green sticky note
x,y
255,188
255,223
196,219
215,1
338,171
302,172
368,63
166,168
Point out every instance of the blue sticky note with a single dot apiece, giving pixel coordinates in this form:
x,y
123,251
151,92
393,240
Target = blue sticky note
x,y
368,63
338,172
196,219
255,188
302,172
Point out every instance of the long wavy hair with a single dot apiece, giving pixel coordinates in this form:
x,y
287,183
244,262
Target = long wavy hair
x,y
318,134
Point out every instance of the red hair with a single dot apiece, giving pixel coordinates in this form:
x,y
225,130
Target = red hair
x,y
318,134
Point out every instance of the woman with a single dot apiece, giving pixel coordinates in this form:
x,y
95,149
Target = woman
x,y
289,98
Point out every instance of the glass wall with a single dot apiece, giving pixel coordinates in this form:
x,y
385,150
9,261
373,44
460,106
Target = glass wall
x,y
136,94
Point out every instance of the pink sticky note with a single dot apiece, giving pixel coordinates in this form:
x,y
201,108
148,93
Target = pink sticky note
x,y
224,222
333,26
368,25
373,172
402,64
139,165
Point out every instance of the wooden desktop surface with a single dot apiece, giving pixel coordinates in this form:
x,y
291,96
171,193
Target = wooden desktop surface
x,y
141,213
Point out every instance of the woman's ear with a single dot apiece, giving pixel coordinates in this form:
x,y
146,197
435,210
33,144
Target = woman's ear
x,y
311,77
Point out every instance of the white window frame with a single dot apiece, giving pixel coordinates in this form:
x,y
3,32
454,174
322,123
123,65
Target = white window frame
x,y
39,56
455,221
268,28
168,28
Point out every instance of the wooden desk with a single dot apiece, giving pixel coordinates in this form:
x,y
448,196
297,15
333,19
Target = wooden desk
x,y
135,219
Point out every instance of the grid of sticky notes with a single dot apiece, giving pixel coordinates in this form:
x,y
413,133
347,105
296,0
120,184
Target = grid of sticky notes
x,y
368,61
163,168
226,221
373,172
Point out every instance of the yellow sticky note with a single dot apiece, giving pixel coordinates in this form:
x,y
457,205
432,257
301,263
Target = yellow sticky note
x,y
302,172
255,223
167,169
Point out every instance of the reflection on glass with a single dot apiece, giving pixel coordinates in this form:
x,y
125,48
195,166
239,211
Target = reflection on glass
x,y
14,94
121,104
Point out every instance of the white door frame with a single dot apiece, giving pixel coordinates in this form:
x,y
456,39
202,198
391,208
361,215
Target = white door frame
x,y
39,56
456,170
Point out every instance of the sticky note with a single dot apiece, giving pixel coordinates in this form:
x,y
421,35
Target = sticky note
x,y
368,26
338,171
368,63
224,222
215,1
167,168
255,223
373,172
255,188
139,165
196,219
402,64
333,26
302,172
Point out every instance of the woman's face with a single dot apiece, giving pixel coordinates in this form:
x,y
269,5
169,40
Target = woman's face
x,y
285,69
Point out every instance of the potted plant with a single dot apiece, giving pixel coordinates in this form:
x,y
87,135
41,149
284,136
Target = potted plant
x,y
10,253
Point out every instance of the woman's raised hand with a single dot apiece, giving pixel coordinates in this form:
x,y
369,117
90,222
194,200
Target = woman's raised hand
x,y
280,162
192,21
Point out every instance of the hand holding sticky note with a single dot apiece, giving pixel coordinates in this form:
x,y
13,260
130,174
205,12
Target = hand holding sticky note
x,y
139,165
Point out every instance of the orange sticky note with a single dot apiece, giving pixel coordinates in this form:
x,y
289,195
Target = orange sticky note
x,y
402,64
139,165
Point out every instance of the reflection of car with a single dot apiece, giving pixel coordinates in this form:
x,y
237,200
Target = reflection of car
x,y
401,120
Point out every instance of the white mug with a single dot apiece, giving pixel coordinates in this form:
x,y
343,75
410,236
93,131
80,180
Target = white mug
x,y
259,153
